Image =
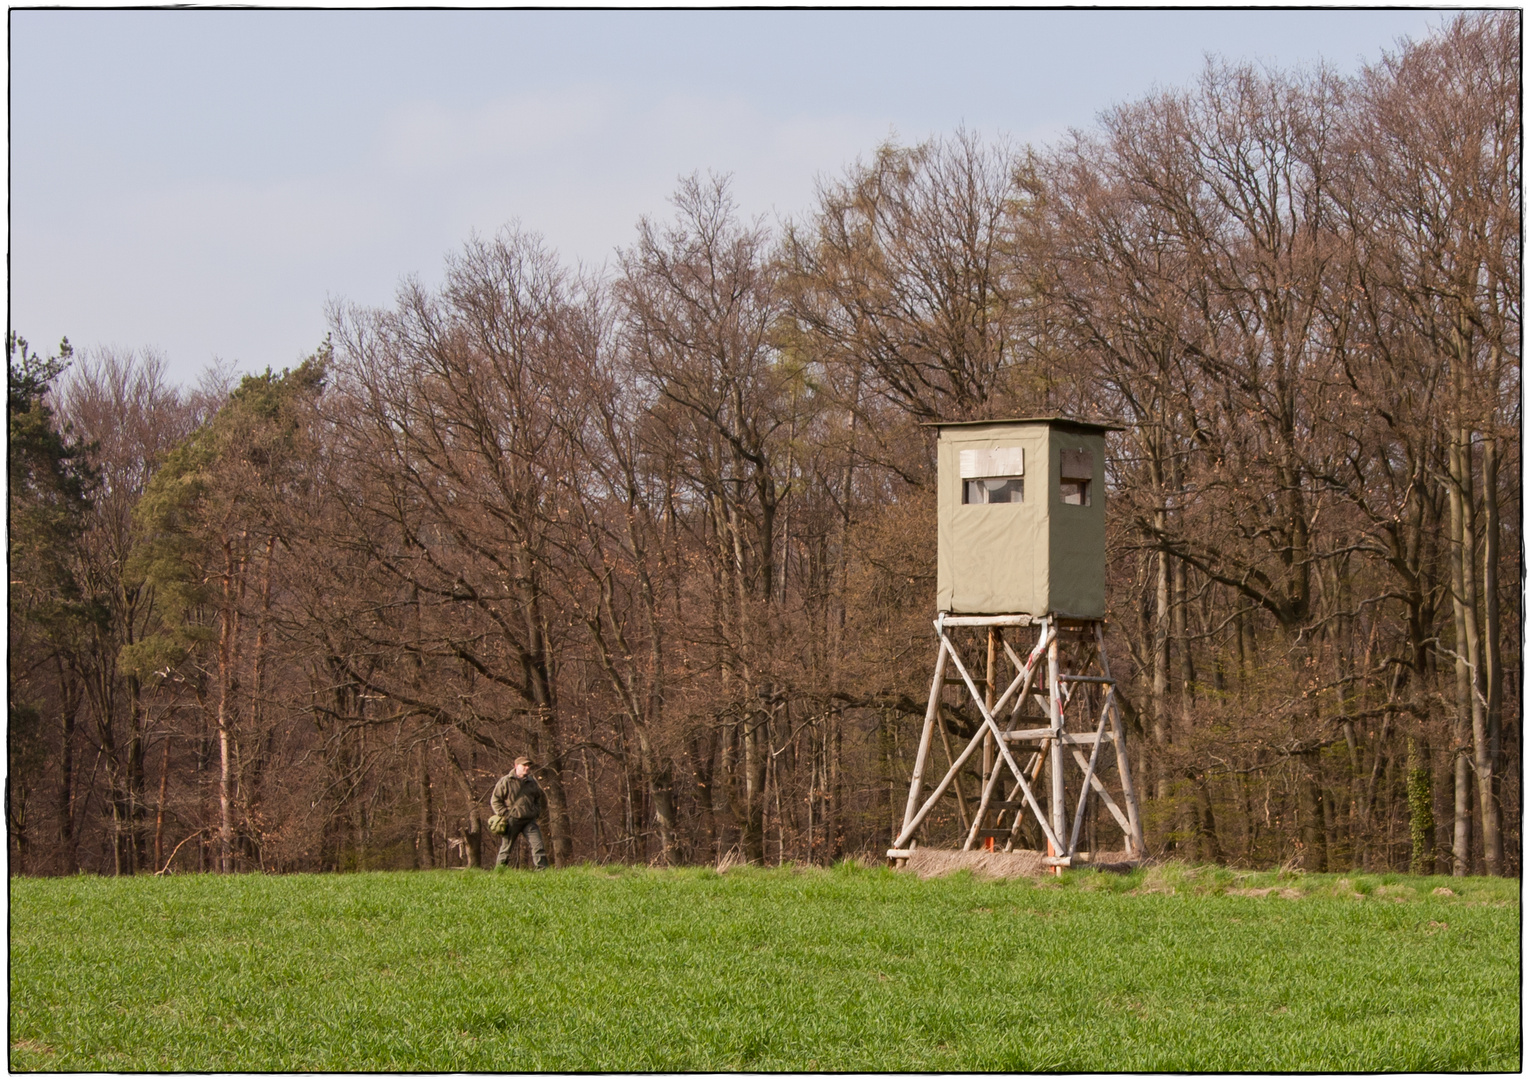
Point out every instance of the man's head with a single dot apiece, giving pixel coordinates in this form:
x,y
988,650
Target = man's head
x,y
522,766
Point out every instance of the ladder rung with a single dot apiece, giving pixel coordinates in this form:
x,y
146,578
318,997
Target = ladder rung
x,y
1085,678
1069,738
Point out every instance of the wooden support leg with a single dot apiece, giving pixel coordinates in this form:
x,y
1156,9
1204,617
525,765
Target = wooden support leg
x,y
1054,710
916,783
988,755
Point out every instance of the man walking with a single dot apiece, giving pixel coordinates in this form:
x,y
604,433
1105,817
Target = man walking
x,y
518,798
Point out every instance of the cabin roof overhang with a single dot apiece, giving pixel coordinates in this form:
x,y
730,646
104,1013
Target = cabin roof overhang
x,y
1068,422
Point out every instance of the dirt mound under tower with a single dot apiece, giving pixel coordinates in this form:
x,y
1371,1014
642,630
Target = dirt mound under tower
x,y
935,862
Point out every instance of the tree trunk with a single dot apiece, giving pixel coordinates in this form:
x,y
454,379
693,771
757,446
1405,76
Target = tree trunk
x,y
1158,474
136,782
1161,624
1314,846
557,797
1488,745
755,761
1461,848
537,663
67,842
729,734
1481,759
1181,609
16,821
834,817
702,753
472,834
1460,571
887,803
1420,809
1208,848
425,833
159,808
225,758
661,789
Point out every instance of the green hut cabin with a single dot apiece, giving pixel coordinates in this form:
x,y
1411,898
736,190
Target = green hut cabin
x,y
1022,517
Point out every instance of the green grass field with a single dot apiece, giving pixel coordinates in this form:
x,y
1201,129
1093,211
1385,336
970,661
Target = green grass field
x,y
845,969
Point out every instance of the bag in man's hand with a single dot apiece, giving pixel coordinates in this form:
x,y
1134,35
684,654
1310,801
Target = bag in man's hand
x,y
499,824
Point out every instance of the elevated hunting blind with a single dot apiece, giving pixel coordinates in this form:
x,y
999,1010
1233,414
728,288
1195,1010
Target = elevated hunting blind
x,y
1021,517
1021,542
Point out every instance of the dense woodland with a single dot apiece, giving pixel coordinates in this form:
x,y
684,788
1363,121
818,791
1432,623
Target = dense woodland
x,y
669,527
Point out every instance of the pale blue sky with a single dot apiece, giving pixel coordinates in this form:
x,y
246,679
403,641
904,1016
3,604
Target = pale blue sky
x,y
202,182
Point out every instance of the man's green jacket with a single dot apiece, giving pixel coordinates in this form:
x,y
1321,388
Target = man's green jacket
x,y
518,797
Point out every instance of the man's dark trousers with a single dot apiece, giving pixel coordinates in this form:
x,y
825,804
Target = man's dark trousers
x,y
533,832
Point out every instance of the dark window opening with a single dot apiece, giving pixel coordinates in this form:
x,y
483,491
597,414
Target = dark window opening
x,y
1075,492
994,489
